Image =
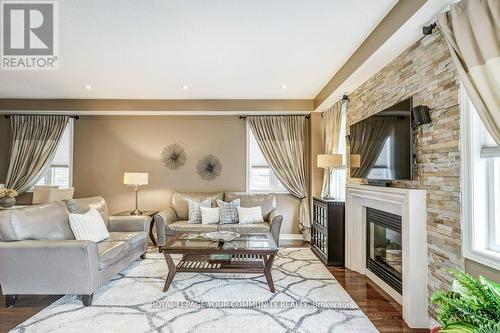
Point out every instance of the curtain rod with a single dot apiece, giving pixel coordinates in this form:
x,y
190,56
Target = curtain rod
x,y
7,116
278,115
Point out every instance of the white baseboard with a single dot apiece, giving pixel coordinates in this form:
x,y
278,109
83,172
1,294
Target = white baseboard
x,y
291,237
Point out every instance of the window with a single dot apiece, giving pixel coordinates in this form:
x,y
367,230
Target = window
x,y
60,171
481,189
260,176
338,176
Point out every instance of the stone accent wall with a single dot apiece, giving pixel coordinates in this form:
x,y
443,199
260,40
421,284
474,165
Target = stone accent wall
x,y
426,72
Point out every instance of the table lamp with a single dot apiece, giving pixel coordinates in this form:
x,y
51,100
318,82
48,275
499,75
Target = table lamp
x,y
329,162
135,179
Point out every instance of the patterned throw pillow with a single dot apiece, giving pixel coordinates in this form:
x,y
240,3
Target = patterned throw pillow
x,y
228,211
194,210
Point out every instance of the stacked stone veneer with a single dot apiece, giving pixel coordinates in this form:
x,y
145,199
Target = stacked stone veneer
x,y
426,72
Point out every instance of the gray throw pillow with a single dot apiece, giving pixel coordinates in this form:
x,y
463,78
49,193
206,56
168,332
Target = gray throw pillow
x,y
194,209
228,211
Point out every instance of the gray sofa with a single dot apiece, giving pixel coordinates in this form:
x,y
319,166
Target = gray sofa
x,y
39,253
175,218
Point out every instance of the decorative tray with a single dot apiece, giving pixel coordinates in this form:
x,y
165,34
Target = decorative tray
x,y
221,236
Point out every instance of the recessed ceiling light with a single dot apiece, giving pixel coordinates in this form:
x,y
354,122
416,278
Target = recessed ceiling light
x,y
284,87
185,87
88,87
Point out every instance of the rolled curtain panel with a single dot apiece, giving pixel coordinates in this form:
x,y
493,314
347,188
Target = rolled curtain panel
x,y
472,30
33,144
282,140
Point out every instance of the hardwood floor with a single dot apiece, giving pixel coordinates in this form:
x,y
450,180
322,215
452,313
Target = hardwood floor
x,y
379,307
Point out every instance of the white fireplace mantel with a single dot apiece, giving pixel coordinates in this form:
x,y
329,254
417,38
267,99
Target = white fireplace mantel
x,y
410,204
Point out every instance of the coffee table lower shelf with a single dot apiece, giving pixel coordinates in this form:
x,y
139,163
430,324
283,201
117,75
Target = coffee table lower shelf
x,y
238,263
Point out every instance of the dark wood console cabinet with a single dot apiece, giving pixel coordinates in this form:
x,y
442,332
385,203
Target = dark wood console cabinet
x,y
328,231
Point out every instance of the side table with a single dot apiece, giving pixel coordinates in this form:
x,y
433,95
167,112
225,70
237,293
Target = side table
x,y
151,214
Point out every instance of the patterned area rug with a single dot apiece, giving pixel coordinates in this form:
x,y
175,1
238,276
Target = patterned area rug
x,y
307,299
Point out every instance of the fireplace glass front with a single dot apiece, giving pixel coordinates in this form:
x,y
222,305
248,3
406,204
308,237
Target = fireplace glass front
x,y
384,254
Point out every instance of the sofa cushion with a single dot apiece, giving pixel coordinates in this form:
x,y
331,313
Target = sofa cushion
x,y
245,228
267,201
80,206
194,206
38,222
110,252
133,238
189,227
180,205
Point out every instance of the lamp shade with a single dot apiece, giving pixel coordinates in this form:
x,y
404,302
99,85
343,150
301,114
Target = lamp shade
x,y
355,160
329,161
135,178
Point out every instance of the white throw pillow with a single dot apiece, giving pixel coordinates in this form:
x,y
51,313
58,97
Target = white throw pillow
x,y
250,214
209,215
89,226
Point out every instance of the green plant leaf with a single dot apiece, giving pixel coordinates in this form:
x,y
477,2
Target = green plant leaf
x,y
459,328
493,328
491,285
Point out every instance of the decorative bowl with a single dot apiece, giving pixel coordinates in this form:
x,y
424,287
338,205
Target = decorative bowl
x,y
7,202
221,236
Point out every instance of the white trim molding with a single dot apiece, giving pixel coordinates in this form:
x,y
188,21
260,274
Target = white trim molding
x,y
411,205
291,237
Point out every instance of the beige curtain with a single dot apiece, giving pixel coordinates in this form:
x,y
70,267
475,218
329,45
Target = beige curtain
x,y
472,30
34,141
368,138
332,120
282,140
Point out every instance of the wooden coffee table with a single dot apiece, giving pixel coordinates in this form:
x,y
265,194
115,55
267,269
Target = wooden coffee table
x,y
250,253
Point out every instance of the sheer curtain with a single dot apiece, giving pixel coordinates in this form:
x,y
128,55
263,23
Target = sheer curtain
x,y
282,140
34,141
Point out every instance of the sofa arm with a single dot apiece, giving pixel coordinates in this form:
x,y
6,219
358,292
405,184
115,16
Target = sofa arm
x,y
129,223
275,220
162,219
49,267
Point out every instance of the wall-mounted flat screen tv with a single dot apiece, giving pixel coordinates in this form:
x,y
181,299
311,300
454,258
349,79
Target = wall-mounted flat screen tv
x,y
383,143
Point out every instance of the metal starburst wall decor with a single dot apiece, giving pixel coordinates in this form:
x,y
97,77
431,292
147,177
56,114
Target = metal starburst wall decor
x,y
209,167
173,156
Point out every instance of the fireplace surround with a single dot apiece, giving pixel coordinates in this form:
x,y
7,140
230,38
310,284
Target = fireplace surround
x,y
410,205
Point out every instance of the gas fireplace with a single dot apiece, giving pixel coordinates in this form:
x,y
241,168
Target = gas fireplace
x,y
384,247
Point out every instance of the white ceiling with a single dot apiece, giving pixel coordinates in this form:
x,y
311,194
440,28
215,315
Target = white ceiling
x,y
223,49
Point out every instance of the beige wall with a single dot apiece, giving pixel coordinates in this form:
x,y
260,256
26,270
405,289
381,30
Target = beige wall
x,y
317,147
107,146
475,269
4,147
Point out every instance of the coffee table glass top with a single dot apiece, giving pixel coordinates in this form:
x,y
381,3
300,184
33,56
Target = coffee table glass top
x,y
244,242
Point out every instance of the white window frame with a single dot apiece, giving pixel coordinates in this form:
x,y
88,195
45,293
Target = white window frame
x,y
248,169
476,222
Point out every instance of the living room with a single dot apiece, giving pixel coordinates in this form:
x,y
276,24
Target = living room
x,y
252,166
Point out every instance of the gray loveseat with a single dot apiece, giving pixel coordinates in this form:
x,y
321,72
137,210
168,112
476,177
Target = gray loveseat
x,y
39,253
175,218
